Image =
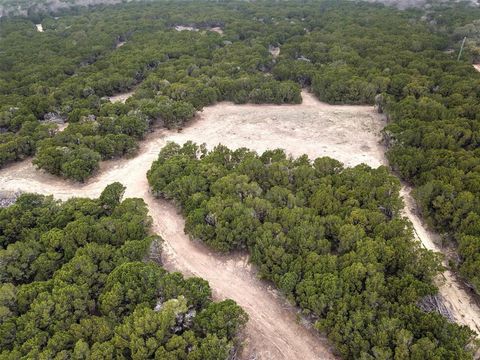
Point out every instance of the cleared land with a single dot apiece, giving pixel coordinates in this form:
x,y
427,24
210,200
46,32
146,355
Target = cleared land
x,y
121,97
350,134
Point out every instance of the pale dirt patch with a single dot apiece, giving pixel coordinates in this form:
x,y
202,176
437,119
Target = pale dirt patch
x,y
350,134
216,29
274,51
477,67
273,331
347,133
185,28
121,97
61,127
120,44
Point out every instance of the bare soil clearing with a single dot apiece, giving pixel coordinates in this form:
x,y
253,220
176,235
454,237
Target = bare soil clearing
x,y
121,97
185,28
350,134
274,51
61,127
347,133
216,29
457,298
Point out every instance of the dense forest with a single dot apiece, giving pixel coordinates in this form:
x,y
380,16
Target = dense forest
x,y
77,282
332,239
67,71
403,62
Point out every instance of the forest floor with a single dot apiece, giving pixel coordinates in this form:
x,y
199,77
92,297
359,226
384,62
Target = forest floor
x,y
350,134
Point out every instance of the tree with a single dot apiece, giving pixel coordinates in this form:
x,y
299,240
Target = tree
x,y
333,240
81,287
111,196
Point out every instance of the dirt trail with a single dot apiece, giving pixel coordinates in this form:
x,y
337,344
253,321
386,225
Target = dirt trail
x,y
273,331
457,299
350,134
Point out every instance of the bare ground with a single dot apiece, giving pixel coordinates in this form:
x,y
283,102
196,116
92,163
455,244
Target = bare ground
x,y
350,134
274,51
347,133
457,297
216,29
123,96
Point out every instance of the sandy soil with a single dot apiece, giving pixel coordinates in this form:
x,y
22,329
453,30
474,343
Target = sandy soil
x,y
274,51
350,134
121,97
39,27
216,29
457,297
61,127
185,28
272,331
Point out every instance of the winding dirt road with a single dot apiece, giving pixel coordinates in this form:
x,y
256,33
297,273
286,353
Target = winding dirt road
x,y
349,133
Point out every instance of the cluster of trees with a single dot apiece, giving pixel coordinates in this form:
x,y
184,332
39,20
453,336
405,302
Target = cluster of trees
x,y
434,138
352,263
405,62
77,283
332,239
70,69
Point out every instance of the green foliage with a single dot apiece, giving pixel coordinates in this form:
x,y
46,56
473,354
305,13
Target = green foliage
x,y
75,284
332,239
111,196
78,63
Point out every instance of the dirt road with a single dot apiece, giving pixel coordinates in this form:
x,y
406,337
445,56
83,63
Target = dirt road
x,y
457,299
350,134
